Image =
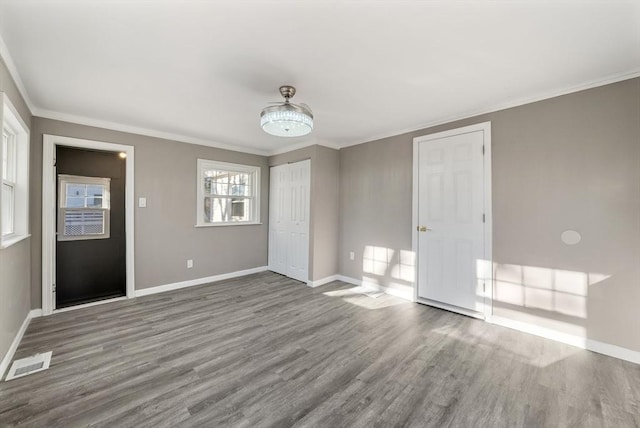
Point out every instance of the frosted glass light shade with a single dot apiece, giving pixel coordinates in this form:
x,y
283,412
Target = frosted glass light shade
x,y
286,120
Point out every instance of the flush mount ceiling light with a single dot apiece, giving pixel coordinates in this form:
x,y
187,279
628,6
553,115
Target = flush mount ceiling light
x,y
287,119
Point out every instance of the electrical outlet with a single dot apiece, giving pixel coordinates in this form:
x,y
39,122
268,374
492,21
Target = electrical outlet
x,y
189,264
352,255
142,202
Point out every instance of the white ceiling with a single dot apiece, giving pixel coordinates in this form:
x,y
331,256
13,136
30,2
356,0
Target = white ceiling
x,y
201,71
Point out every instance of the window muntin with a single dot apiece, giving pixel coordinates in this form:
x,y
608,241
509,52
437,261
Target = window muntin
x,y
83,208
227,193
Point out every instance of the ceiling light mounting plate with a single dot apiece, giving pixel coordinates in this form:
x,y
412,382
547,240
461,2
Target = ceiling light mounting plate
x,y
287,92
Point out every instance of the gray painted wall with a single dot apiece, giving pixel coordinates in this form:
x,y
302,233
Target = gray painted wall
x,y
15,275
165,236
570,162
325,189
324,206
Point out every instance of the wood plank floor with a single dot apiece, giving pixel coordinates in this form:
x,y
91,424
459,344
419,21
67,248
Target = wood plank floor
x,y
267,351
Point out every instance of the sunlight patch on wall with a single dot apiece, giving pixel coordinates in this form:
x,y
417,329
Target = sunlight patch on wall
x,y
405,268
553,290
387,262
389,270
377,260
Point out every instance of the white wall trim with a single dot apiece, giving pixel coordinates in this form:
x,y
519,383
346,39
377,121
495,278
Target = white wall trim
x,y
414,215
49,210
6,360
199,281
377,287
13,72
487,265
569,339
618,77
323,281
114,126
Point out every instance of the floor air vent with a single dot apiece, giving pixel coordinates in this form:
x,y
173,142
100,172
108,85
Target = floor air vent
x,y
29,365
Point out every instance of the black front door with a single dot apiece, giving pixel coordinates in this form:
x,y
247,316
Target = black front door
x,y
90,244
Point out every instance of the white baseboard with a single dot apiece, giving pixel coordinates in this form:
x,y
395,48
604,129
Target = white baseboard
x,y
322,281
570,339
377,287
6,361
198,281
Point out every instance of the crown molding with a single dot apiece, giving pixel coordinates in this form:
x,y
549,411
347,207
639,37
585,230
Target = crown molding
x,y
191,140
114,126
13,72
618,77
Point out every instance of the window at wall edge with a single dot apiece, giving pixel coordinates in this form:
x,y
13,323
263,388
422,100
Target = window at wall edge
x,y
228,194
14,171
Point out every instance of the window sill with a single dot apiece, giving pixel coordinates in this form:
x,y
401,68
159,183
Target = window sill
x,y
12,240
253,223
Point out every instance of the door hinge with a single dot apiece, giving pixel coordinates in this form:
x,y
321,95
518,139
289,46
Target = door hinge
x,y
484,287
53,288
484,218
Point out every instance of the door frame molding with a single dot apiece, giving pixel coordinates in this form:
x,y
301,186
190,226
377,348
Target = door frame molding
x,y
49,144
487,272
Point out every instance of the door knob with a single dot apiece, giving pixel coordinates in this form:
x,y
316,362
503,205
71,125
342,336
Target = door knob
x,y
422,229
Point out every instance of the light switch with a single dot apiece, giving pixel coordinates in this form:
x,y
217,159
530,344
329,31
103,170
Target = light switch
x,y
142,202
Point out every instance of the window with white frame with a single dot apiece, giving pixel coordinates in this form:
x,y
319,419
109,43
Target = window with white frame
x,y
227,194
14,168
83,207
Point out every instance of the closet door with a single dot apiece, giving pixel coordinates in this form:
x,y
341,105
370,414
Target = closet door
x,y
289,220
298,215
277,221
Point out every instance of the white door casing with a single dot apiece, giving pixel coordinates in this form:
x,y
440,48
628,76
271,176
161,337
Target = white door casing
x,y
49,202
451,200
289,220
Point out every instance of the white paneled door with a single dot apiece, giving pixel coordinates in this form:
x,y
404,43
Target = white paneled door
x,y
277,223
289,220
451,220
